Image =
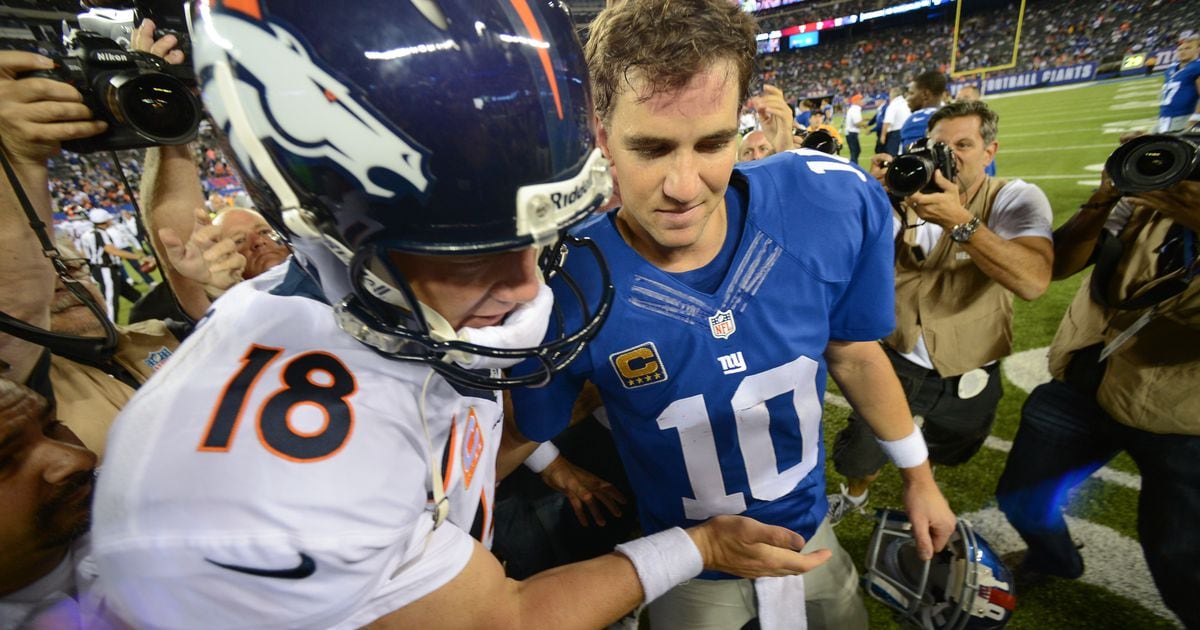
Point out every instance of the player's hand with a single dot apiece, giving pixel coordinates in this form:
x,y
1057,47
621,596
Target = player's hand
x,y
942,208
750,549
775,116
582,488
932,520
37,114
206,258
165,46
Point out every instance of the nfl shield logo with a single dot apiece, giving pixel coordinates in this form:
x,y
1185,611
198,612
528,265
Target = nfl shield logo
x,y
722,325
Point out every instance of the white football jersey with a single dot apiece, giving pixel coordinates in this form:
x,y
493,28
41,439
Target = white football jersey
x,y
276,474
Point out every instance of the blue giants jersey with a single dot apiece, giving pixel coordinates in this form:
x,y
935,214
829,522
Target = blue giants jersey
x,y
915,127
1179,90
715,400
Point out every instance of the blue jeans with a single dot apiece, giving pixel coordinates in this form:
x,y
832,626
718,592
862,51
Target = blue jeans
x,y
855,147
1064,437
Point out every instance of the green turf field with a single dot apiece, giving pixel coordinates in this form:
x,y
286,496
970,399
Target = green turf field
x,y
1057,139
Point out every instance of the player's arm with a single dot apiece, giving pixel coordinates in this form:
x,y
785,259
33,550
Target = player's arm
x,y
868,380
35,116
1021,265
597,592
113,250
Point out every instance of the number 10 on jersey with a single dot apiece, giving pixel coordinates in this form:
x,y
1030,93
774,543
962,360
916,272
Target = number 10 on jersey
x,y
689,416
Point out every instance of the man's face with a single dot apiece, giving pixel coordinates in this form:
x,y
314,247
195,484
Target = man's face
x,y
673,154
472,291
254,239
917,97
1188,50
68,315
46,478
963,135
755,147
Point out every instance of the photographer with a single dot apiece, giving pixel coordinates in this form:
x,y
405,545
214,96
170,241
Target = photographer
x,y
87,389
1125,361
961,254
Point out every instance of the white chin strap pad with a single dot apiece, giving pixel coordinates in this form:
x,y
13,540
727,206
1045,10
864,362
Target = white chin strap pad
x,y
525,327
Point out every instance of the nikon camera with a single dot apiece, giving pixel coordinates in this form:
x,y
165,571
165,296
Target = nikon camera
x,y
912,172
1155,162
145,101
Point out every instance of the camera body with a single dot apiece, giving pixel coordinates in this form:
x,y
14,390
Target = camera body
x,y
145,101
912,172
1155,162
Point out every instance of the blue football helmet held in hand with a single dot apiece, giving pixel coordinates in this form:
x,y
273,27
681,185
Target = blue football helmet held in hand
x,y
433,127
964,587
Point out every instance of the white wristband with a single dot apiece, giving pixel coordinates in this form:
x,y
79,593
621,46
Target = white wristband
x,y
908,451
543,456
663,560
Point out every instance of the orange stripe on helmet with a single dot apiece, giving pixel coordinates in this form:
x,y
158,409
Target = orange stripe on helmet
x,y
250,7
530,23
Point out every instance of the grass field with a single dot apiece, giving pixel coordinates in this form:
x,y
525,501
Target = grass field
x,y
1057,139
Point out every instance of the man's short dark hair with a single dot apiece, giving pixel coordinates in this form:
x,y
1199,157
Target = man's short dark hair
x,y
931,81
668,42
989,120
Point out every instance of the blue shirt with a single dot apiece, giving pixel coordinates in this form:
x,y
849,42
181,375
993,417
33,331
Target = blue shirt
x,y
1179,90
803,117
915,126
715,397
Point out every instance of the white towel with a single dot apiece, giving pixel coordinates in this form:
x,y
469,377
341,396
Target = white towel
x,y
781,603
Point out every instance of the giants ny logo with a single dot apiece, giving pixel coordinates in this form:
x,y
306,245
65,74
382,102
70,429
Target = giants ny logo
x,y
732,363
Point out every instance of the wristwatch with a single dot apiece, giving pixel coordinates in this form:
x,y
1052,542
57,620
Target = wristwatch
x,y
962,233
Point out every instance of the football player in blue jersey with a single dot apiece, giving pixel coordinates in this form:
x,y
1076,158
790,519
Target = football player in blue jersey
x,y
1180,105
737,292
926,94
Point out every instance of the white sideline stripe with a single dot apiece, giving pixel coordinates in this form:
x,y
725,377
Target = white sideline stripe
x,y
1111,561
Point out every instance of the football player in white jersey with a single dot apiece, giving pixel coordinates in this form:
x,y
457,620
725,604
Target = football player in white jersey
x,y
321,450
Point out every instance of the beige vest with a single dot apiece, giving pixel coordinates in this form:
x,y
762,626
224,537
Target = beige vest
x,y
89,400
1152,382
964,315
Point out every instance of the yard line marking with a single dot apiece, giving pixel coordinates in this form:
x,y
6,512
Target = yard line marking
x,y
1111,561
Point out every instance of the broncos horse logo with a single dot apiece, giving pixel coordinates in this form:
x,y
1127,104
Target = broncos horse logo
x,y
282,92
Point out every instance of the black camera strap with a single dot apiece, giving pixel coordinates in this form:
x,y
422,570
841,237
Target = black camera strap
x,y
1108,255
93,351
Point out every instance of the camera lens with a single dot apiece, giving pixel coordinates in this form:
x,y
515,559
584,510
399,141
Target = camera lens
x,y
1153,163
156,106
908,174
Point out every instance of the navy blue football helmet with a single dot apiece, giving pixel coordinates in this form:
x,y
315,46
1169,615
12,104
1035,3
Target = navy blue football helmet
x,y
964,587
419,126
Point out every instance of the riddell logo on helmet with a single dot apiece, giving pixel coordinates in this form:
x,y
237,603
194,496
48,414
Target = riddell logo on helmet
x,y
561,201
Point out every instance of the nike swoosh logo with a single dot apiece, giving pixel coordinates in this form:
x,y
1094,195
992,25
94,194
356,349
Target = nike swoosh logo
x,y
306,568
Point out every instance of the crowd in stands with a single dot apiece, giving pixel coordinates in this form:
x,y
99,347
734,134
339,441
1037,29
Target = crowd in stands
x,y
92,181
1053,34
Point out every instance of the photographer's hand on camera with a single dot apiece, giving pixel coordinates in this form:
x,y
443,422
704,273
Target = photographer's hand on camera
x,y
165,47
1180,202
879,166
943,208
37,114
